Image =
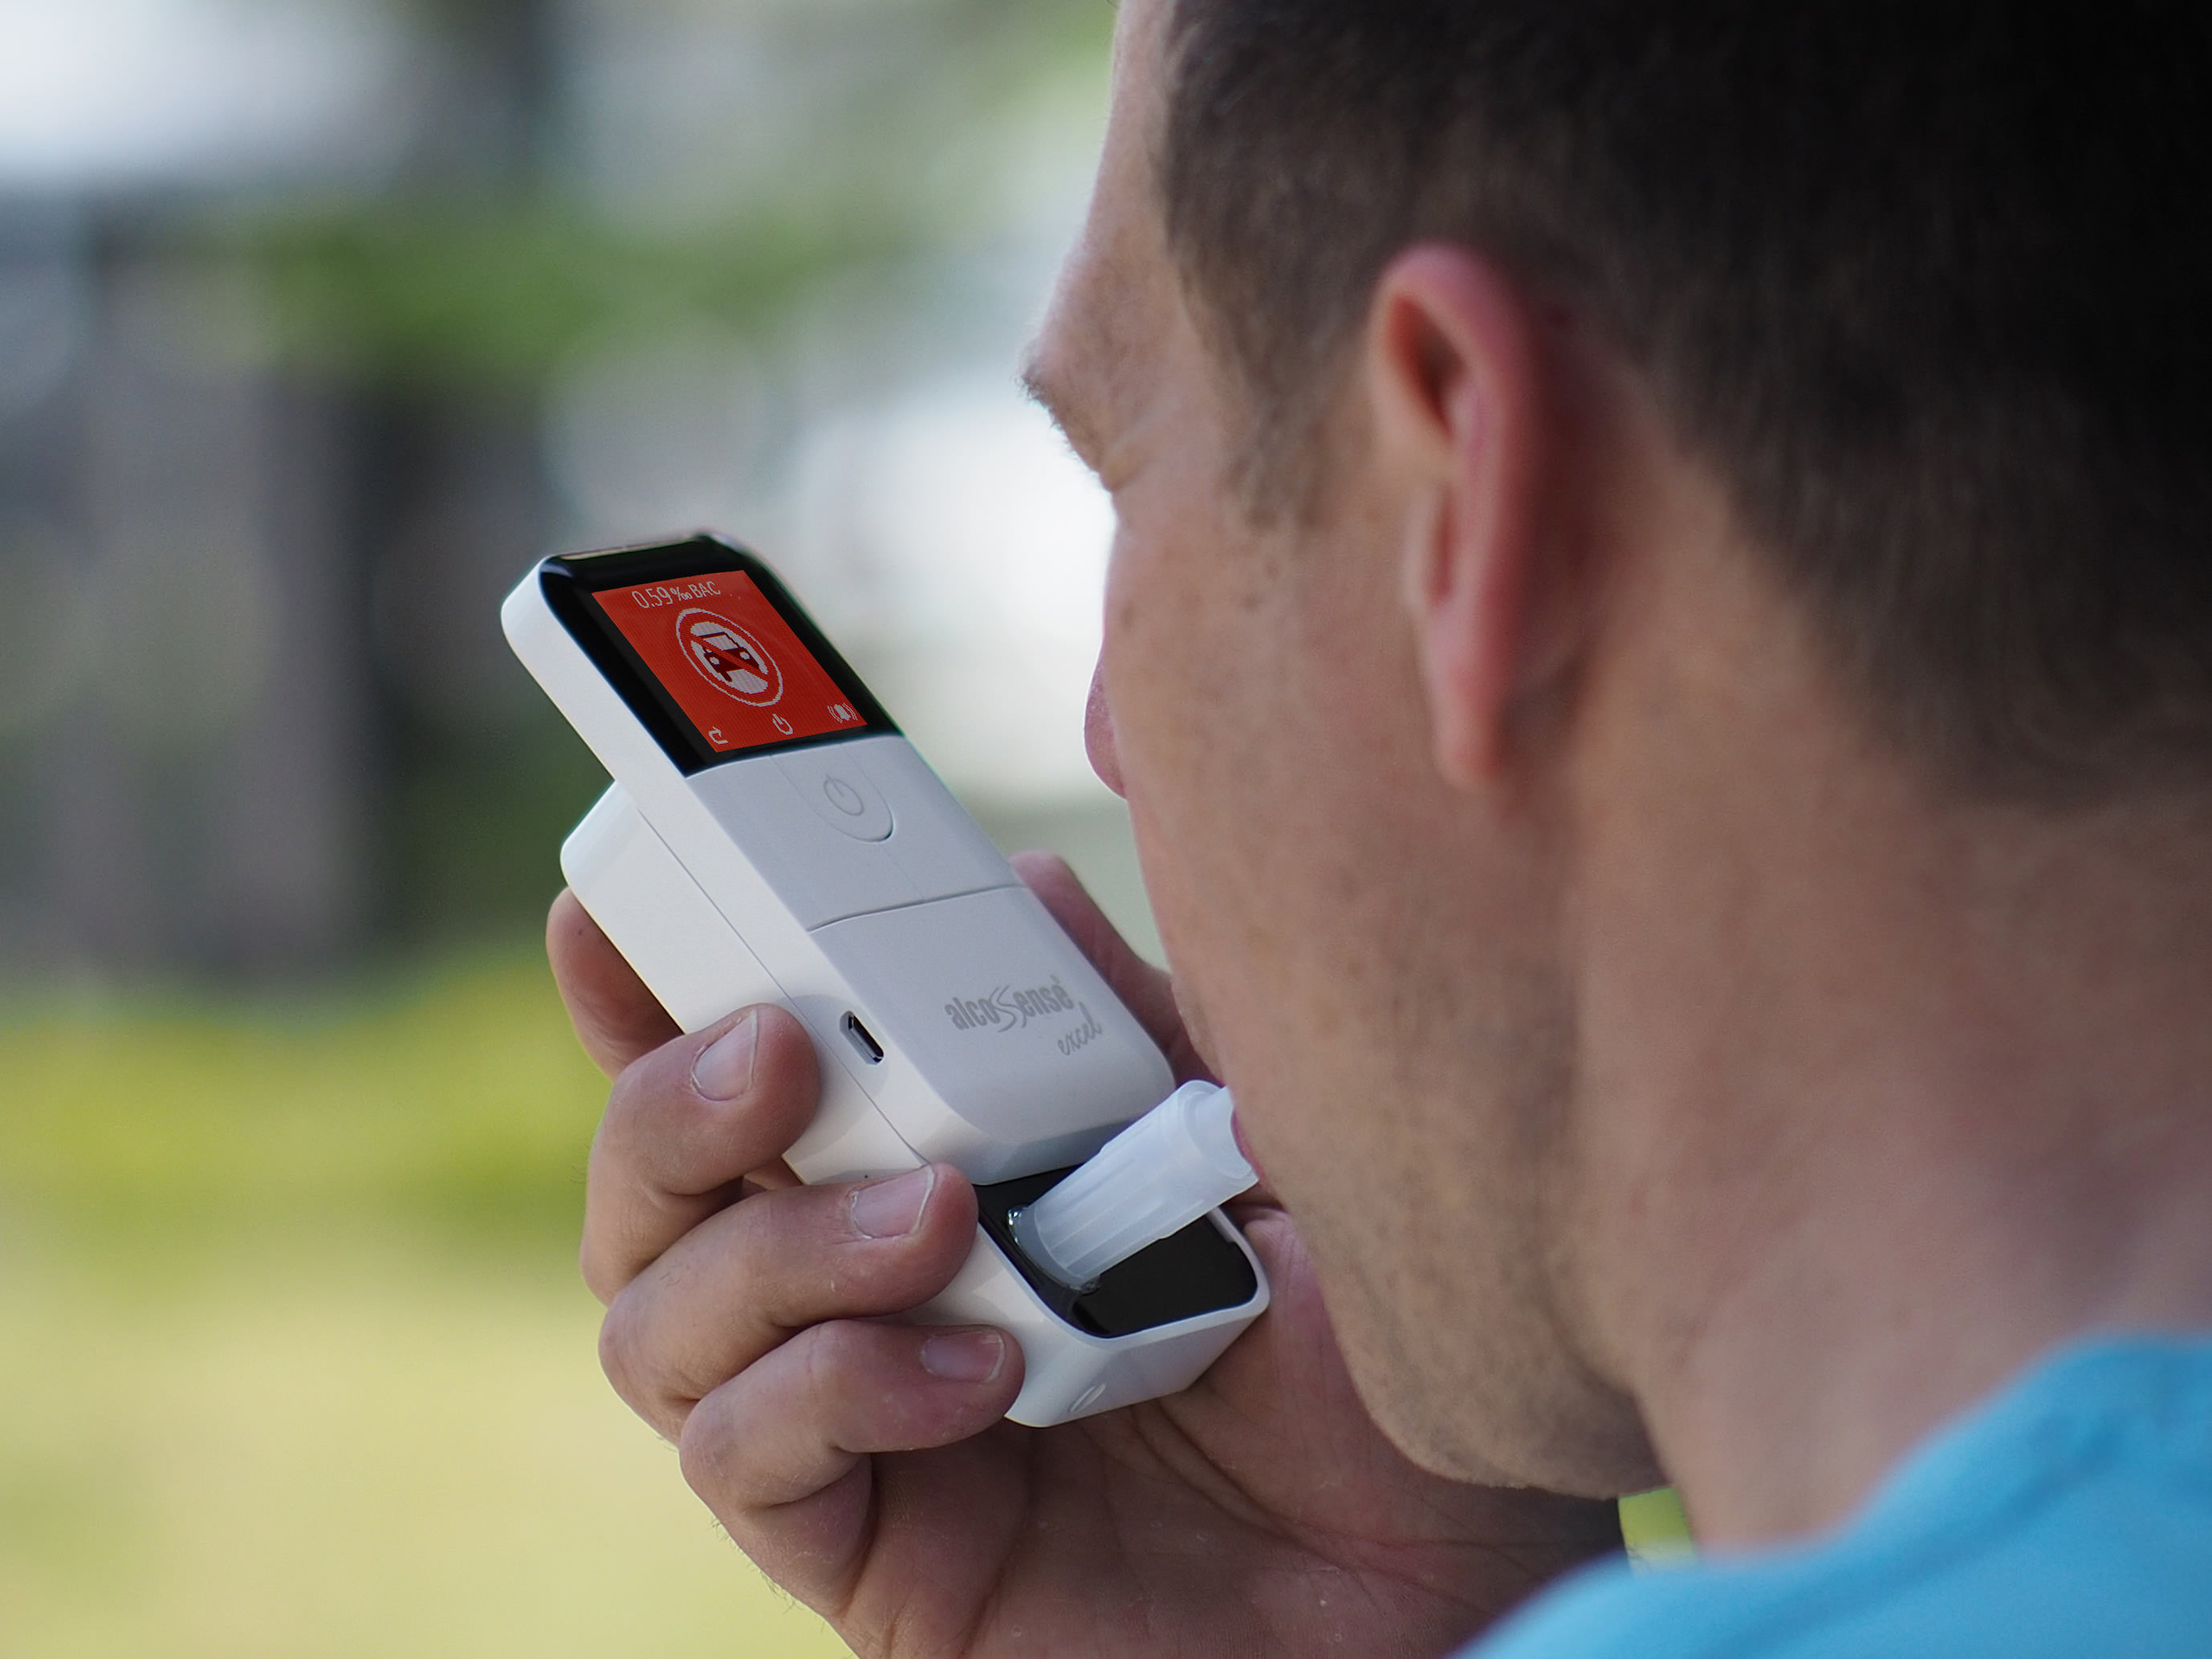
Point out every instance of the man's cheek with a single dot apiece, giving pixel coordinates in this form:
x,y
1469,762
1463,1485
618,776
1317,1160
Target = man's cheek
x,y
1190,1007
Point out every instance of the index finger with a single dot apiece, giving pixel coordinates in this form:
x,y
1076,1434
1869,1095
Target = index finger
x,y
684,1134
616,1019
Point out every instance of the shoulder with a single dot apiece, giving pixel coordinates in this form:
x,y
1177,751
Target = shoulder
x,y
2071,1513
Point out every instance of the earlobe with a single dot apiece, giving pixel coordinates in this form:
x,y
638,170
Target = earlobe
x,y
1452,374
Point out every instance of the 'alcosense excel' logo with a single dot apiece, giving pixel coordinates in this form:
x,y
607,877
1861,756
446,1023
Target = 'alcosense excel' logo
x,y
1009,1010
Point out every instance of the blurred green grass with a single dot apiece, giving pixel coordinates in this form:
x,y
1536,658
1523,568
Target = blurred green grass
x,y
458,1104
297,1363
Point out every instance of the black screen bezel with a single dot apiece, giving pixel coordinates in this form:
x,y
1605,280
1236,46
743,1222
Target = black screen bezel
x,y
568,581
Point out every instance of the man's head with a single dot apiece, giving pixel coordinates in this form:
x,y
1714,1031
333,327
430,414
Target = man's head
x,y
1923,283
1597,484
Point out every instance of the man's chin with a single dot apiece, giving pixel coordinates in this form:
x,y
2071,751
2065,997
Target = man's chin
x,y
1500,1431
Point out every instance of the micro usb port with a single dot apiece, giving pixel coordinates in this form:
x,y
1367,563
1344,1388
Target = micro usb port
x,y
862,1039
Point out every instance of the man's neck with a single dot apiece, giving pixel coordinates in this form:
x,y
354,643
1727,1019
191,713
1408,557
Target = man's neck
x,y
1889,1095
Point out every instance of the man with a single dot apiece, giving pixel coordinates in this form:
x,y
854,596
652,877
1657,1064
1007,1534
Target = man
x,y
1659,648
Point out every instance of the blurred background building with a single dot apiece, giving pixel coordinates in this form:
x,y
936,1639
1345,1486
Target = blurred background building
x,y
320,318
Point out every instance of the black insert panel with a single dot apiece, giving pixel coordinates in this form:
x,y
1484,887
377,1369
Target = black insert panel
x,y
1193,1272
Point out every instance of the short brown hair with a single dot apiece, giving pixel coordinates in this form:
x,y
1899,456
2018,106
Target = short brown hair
x,y
1925,283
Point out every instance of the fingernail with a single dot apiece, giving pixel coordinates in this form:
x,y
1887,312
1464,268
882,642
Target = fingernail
x,y
964,1356
889,1209
724,1069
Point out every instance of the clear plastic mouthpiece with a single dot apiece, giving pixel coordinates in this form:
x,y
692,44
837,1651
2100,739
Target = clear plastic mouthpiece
x,y
1155,1178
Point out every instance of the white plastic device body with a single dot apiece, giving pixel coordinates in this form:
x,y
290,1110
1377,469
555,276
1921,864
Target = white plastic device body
x,y
953,1018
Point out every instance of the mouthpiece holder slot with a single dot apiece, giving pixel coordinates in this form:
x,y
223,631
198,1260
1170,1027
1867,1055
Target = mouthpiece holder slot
x,y
1188,1273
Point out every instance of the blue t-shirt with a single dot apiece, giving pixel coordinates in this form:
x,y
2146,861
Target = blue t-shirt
x,y
2071,1513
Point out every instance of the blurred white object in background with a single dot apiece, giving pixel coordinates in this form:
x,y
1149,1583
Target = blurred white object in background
x,y
659,430
952,538
102,93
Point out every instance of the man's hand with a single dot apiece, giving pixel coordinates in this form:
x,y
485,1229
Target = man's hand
x,y
865,1465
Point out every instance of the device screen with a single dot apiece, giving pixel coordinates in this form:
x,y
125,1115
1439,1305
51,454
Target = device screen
x,y
734,666
729,661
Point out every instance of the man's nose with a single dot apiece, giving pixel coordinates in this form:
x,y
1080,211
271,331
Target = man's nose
x,y
1098,733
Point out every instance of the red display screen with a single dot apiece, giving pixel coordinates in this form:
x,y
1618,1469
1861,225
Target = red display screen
x,y
728,660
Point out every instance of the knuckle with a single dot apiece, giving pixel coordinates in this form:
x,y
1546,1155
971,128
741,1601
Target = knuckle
x,y
638,1088
591,1266
787,1076
710,1450
622,1354
655,1104
650,1131
810,1265
830,1356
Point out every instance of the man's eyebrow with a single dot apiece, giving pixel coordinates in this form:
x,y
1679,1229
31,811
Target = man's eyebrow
x,y
1037,380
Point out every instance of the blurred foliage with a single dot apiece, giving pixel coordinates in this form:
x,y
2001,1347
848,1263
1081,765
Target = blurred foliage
x,y
483,278
423,293
474,830
457,1109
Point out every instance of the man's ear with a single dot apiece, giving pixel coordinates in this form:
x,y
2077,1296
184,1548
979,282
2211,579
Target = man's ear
x,y
1455,383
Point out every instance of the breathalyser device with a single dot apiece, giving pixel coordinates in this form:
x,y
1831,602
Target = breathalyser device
x,y
770,837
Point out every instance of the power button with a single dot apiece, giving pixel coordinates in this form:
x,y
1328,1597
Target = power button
x,y
838,791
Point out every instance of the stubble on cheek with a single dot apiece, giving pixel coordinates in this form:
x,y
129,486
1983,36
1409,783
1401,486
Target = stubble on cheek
x,y
1166,891
1185,668
1431,1167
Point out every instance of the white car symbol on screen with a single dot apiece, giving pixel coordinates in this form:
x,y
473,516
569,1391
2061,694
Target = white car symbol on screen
x,y
727,657
732,659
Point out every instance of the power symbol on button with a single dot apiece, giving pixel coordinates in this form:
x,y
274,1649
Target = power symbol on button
x,y
839,792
